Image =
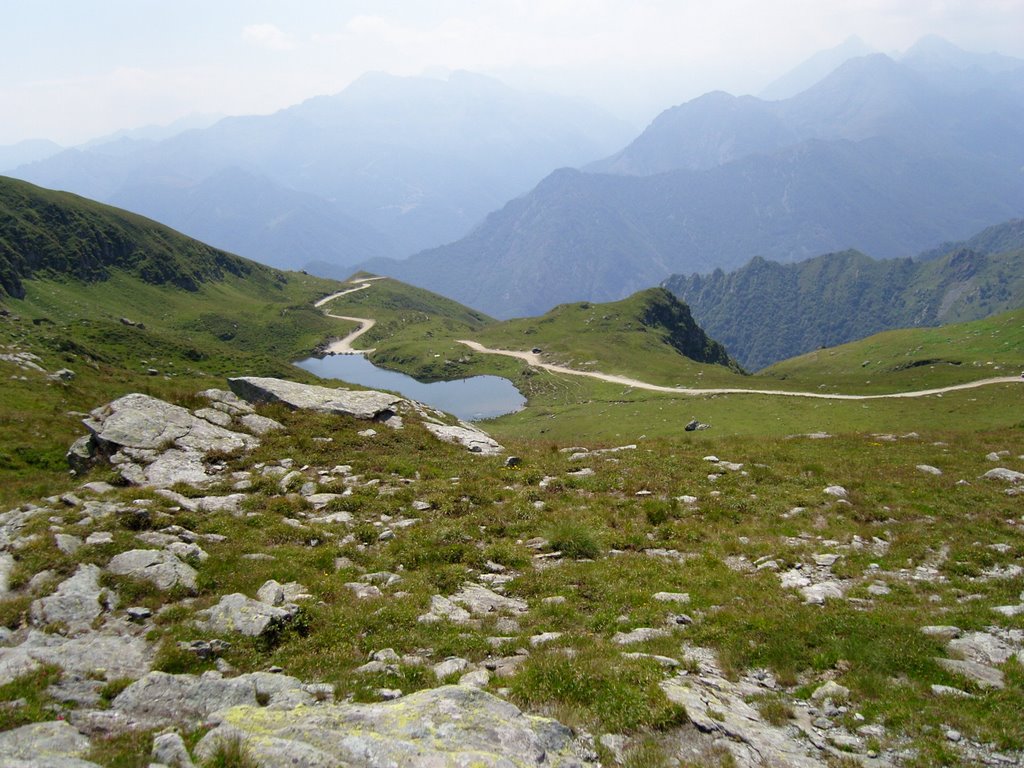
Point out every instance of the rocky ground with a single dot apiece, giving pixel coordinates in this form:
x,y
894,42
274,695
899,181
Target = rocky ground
x,y
134,625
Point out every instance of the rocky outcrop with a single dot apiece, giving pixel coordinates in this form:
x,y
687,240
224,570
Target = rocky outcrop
x,y
370,405
447,726
154,443
76,603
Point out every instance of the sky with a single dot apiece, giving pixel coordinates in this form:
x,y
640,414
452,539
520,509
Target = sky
x,y
73,70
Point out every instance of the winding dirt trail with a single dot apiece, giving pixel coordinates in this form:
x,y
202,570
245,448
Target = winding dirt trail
x,y
344,346
534,360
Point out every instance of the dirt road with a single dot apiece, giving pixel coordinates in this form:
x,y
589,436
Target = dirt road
x,y
534,360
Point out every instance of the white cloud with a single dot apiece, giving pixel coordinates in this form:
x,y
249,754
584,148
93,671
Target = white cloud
x,y
268,36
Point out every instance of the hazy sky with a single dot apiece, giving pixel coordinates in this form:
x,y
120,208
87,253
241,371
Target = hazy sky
x,y
75,69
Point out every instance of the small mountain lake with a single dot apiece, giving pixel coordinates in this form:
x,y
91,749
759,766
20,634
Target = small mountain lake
x,y
478,397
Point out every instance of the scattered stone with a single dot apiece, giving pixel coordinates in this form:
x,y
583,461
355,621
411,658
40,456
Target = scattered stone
x,y
99,538
942,632
443,609
513,461
466,435
830,691
161,568
929,469
138,613
453,665
694,425
259,425
368,404
159,700
544,637
364,591
947,690
837,491
67,543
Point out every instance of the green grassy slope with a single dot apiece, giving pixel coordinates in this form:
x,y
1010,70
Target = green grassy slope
x,y
765,311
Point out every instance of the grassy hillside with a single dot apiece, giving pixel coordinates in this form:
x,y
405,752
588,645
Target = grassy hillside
x,y
75,270
56,234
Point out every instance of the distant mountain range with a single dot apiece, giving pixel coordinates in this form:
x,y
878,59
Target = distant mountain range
x,y
885,156
766,311
390,165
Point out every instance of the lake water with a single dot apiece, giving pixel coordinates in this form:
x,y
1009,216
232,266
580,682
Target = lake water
x,y
478,397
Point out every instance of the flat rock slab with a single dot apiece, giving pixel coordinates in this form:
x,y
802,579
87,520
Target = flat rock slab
x,y
159,699
159,567
54,744
95,654
983,675
241,614
367,404
444,727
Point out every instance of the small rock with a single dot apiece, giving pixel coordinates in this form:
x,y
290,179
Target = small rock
x,y
639,635
837,491
169,749
830,691
672,597
929,469
453,665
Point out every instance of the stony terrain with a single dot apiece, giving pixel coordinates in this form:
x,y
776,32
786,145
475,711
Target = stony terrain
x,y
302,575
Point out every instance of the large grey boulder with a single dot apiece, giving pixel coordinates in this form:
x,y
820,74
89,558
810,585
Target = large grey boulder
x,y
76,603
156,566
159,699
238,613
55,744
449,726
369,404
466,435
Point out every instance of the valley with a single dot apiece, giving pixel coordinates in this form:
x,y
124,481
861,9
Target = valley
x,y
709,486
